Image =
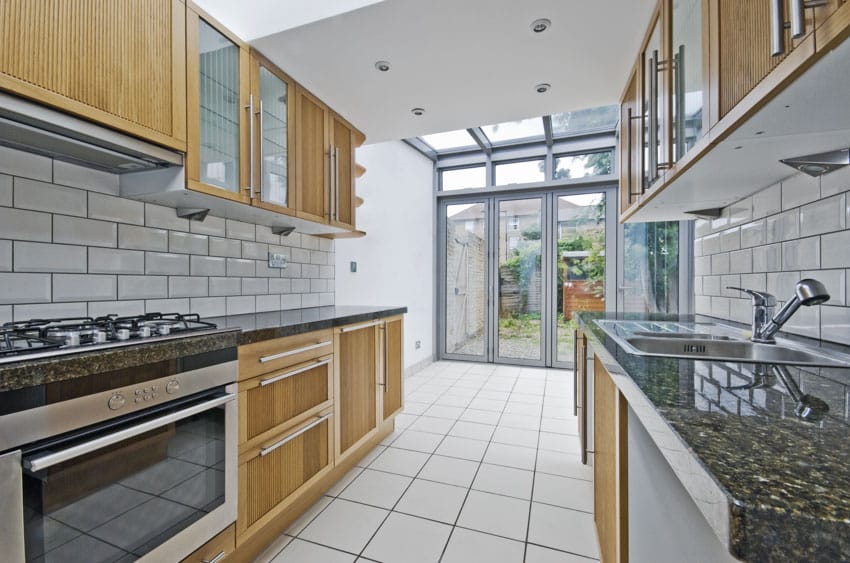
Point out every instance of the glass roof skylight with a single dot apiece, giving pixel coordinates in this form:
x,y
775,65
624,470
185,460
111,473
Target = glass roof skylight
x,y
450,140
572,122
511,131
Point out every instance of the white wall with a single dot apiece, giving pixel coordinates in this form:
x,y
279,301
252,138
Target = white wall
x,y
395,260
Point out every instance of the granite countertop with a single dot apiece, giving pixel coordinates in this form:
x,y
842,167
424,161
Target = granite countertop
x,y
257,327
773,487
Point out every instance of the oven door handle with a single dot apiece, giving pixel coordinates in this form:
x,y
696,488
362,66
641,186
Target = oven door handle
x,y
37,463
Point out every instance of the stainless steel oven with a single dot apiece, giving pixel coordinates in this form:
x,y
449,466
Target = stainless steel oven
x,y
142,471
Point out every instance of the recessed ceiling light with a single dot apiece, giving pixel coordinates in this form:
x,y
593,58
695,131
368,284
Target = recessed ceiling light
x,y
418,111
541,25
383,66
542,88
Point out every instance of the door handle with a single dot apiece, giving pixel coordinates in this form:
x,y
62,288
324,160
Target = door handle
x,y
250,108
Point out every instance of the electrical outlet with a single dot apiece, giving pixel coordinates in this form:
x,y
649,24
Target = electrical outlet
x,y
418,344
353,266
277,260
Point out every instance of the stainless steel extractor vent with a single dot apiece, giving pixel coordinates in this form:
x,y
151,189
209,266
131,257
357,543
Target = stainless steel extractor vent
x,y
34,128
821,163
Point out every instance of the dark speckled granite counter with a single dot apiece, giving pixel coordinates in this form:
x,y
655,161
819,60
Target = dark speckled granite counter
x,y
773,487
265,326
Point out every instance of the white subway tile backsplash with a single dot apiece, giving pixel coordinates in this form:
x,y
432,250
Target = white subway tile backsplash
x,y
310,300
212,226
5,190
835,324
798,190
166,305
720,307
326,245
702,265
711,285
113,261
43,196
834,248
25,225
120,308
290,301
263,271
741,211
300,285
255,250
291,271
753,234
702,305
187,243
255,286
822,216
117,209
225,286
299,255
238,267
225,247
784,226
702,227
805,322
161,263
43,257
5,256
730,239
48,310
240,230
733,280
208,306
801,254
240,305
188,286
5,314
741,310
741,261
720,264
207,266
164,218
292,239
326,299
268,303
781,284
25,165
309,242
24,288
142,287
321,258
90,232
309,271
142,238
326,272
757,282
280,285
835,182
67,174
767,258
84,287
264,234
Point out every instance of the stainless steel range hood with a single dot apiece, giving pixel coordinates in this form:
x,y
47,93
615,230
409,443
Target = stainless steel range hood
x,y
35,128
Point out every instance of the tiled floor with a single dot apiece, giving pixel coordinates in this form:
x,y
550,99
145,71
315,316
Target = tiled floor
x,y
483,466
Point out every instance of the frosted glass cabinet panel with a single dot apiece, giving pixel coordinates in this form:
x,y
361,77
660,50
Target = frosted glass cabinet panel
x,y
687,33
274,146
218,124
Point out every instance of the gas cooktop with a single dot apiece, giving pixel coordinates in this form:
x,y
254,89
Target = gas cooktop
x,y
44,337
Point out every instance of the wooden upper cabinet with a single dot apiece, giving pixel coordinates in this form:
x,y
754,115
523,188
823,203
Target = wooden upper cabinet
x,y
312,157
653,102
119,63
630,133
344,139
273,93
218,109
689,56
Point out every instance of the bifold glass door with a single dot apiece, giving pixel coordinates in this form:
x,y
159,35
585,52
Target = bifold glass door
x,y
515,269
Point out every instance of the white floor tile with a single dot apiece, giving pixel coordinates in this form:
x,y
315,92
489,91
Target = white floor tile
x,y
504,481
565,465
468,546
483,417
563,443
403,462
523,421
409,539
418,441
299,551
494,395
431,424
344,525
452,401
449,470
516,436
414,408
473,430
440,411
511,456
564,492
296,527
537,554
558,426
564,529
495,514
464,448
436,501
376,488
344,481
481,404
514,407
403,420
268,555
370,457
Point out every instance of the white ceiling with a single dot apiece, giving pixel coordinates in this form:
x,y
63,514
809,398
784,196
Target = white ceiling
x,y
467,62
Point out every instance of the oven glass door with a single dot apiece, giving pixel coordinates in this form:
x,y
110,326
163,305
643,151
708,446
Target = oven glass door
x,y
94,499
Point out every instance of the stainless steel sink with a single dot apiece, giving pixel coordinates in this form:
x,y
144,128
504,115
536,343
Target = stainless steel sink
x,y
711,341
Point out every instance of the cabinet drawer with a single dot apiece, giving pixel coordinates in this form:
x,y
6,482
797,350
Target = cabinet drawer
x,y
273,355
270,475
219,547
276,398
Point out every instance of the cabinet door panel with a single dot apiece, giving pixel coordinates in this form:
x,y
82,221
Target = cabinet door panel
x,y
687,102
393,367
311,149
119,62
344,176
356,396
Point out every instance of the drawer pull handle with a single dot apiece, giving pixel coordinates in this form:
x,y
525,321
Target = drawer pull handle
x,y
264,359
269,449
215,559
359,327
288,374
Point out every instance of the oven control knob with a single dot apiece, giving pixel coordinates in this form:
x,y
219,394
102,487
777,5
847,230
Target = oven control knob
x,y
116,401
172,387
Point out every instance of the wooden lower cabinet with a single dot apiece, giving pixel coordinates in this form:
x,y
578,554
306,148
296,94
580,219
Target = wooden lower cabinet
x,y
357,391
610,467
581,410
393,382
217,549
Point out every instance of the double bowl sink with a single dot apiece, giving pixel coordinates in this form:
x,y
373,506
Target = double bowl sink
x,y
711,341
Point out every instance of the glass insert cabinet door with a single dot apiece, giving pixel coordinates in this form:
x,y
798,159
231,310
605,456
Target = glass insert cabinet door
x,y
273,113
219,111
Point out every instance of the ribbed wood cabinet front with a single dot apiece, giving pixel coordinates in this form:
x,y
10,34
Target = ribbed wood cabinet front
x,y
312,159
270,476
357,357
117,62
393,391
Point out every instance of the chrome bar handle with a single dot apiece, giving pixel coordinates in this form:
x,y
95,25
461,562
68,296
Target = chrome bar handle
x,y
50,459
575,373
269,449
215,559
250,108
279,355
260,149
336,183
386,357
653,117
777,27
798,19
359,327
288,374
679,69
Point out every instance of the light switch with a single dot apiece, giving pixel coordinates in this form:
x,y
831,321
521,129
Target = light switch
x,y
353,266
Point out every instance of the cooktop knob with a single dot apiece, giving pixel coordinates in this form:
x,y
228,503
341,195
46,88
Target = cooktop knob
x,y
122,334
172,387
116,401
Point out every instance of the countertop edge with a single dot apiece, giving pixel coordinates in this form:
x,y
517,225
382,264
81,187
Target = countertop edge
x,y
713,500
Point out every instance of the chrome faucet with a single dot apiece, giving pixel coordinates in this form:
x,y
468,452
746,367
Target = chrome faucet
x,y
807,292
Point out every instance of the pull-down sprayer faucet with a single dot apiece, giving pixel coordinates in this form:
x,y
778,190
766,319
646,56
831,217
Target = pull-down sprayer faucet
x,y
807,292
